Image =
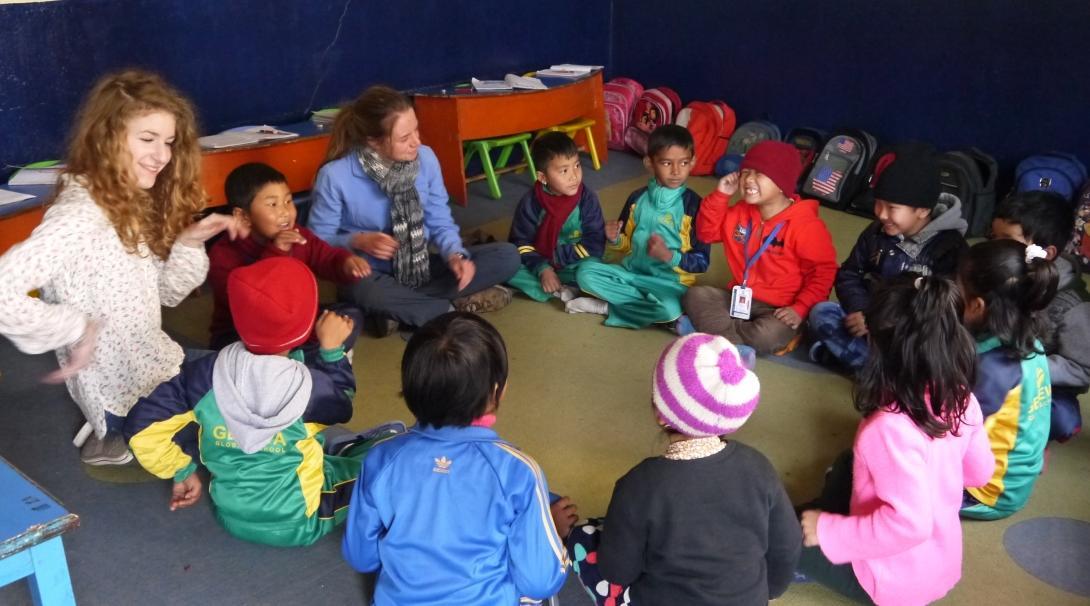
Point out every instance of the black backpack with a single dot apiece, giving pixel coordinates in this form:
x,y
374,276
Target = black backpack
x,y
970,176
843,169
809,142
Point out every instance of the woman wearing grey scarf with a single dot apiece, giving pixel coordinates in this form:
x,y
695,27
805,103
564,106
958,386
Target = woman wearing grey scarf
x,y
381,195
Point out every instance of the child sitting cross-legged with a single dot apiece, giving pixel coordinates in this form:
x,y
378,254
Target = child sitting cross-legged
x,y
915,230
886,528
660,251
259,197
557,224
259,409
1007,286
781,256
1045,219
448,513
706,523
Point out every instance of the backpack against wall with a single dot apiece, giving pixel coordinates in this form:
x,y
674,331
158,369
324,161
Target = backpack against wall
x,y
842,171
711,124
619,97
1079,247
970,175
809,142
745,136
1055,172
656,107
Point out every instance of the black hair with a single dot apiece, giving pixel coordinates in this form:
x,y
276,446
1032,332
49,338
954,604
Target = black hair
x,y
922,359
552,145
1047,219
1013,291
667,136
453,366
245,181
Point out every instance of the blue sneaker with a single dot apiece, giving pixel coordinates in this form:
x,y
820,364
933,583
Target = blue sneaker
x,y
684,326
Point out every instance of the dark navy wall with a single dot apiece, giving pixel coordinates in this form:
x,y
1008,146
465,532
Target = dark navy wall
x,y
1010,76
253,61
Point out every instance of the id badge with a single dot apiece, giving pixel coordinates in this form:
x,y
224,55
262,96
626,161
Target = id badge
x,y
741,300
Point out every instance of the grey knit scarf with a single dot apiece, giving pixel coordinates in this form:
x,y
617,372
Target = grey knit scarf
x,y
398,182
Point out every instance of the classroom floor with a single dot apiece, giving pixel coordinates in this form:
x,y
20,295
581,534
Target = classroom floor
x,y
578,402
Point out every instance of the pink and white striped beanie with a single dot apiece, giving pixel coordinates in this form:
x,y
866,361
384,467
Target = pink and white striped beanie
x,y
701,388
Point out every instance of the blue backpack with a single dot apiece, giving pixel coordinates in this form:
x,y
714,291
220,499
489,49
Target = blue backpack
x,y
1054,172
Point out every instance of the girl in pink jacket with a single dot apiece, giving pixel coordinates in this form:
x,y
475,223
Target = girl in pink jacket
x,y
897,539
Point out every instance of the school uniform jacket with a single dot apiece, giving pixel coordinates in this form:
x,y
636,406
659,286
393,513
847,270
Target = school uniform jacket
x,y
1015,395
797,269
583,234
327,262
453,516
692,254
271,496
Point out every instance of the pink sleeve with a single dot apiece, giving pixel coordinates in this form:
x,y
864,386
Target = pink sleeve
x,y
892,455
979,463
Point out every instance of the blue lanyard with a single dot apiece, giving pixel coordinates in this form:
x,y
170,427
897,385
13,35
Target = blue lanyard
x,y
750,261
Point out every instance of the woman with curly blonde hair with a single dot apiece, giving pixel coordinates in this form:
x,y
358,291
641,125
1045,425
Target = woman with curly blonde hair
x,y
117,242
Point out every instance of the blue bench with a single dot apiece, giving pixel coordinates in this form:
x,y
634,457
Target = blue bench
x,y
31,524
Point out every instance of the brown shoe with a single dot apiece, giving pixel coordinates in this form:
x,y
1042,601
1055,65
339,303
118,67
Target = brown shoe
x,y
379,325
489,299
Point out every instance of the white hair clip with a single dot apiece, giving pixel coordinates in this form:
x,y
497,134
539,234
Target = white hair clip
x,y
918,282
1035,252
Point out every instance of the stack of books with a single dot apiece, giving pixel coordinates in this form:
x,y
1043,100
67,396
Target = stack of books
x,y
244,135
567,70
325,117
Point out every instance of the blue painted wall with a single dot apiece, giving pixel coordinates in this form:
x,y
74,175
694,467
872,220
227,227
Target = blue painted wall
x,y
253,61
1010,76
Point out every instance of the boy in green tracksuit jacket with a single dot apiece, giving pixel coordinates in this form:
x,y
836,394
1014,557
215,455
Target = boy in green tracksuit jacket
x,y
657,241
260,407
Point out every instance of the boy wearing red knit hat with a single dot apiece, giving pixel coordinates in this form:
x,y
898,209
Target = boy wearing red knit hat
x,y
259,407
780,254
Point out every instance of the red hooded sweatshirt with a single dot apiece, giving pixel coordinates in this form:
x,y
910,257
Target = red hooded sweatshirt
x,y
796,270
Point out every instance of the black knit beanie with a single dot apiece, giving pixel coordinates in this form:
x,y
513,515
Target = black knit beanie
x,y
908,174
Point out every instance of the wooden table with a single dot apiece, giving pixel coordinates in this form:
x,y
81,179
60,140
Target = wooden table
x,y
299,158
448,118
31,524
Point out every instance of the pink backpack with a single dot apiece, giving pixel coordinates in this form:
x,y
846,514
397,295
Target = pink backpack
x,y
711,123
620,95
656,107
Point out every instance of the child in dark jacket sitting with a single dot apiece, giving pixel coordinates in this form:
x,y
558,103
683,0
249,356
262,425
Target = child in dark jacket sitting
x,y
916,230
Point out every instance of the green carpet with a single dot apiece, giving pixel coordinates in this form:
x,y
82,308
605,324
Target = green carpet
x,y
579,401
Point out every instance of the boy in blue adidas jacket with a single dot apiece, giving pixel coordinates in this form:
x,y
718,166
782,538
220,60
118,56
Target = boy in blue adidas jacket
x,y
448,513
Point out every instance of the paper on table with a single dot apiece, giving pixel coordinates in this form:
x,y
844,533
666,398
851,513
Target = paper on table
x,y
244,135
575,67
10,197
37,175
490,84
524,82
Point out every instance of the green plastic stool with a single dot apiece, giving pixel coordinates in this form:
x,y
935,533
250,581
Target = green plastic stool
x,y
484,147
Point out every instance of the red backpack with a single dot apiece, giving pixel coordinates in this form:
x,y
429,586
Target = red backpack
x,y
620,96
711,123
656,107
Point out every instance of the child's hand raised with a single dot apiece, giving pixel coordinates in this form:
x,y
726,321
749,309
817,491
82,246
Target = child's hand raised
x,y
809,521
357,267
332,329
287,238
728,185
186,493
856,324
550,282
565,515
656,248
613,230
